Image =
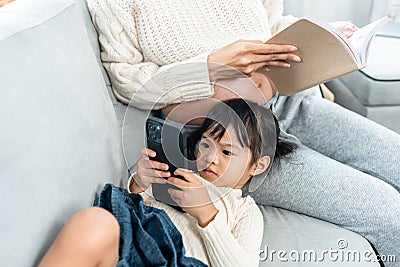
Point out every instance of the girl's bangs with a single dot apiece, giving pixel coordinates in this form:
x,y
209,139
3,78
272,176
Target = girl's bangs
x,y
217,126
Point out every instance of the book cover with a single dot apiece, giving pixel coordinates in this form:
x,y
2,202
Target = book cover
x,y
325,53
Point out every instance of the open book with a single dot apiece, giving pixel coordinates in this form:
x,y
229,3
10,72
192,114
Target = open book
x,y
325,52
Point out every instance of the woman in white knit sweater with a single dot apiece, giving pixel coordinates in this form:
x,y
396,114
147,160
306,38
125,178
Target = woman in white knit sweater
x,y
160,53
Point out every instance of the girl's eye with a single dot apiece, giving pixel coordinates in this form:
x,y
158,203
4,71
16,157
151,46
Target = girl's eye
x,y
227,152
204,144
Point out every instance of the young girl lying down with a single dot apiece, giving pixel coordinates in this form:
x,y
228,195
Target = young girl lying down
x,y
238,140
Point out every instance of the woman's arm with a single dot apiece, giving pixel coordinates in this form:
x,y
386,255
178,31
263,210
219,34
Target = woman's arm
x,y
179,82
257,88
238,245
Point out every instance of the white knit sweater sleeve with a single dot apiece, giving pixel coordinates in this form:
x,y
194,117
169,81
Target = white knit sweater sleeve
x,y
239,246
277,22
129,73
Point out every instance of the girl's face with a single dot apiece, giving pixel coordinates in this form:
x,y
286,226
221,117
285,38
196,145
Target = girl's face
x,y
224,163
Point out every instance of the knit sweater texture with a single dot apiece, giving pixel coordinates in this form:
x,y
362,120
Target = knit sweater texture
x,y
233,238
156,51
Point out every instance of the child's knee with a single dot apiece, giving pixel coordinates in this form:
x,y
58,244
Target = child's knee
x,y
95,217
90,238
99,223
96,228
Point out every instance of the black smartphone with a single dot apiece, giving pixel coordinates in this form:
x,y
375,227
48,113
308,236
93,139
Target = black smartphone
x,y
170,142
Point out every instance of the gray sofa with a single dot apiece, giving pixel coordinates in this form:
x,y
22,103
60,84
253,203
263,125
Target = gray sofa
x,y
64,135
374,92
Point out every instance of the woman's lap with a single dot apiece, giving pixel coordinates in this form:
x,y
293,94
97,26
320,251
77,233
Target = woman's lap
x,y
326,189
313,184
322,178
346,137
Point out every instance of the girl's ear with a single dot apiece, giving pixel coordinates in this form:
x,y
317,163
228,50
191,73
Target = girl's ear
x,y
261,165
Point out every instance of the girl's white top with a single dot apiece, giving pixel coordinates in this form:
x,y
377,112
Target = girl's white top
x,y
233,238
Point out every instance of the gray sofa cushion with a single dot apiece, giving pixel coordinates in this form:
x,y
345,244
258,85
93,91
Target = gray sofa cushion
x,y
379,84
60,138
303,240
374,92
130,120
93,38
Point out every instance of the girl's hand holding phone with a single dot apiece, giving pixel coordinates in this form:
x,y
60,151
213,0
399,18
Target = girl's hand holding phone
x,y
149,172
192,197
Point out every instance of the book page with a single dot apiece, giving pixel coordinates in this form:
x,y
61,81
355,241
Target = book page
x,y
361,39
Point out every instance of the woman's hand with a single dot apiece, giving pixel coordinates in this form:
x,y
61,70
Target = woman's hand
x,y
149,172
247,56
192,197
345,27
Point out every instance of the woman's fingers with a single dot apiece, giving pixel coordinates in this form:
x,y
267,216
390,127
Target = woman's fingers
x,y
278,63
253,68
263,48
345,27
257,53
264,55
276,57
247,56
348,30
258,58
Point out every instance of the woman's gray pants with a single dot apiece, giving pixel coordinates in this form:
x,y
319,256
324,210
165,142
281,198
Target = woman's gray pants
x,y
346,170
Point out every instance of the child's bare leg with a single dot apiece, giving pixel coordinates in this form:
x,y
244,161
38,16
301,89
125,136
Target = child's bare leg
x,y
90,238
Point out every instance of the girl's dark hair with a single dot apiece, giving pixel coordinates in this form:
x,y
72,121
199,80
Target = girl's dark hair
x,y
283,147
256,128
